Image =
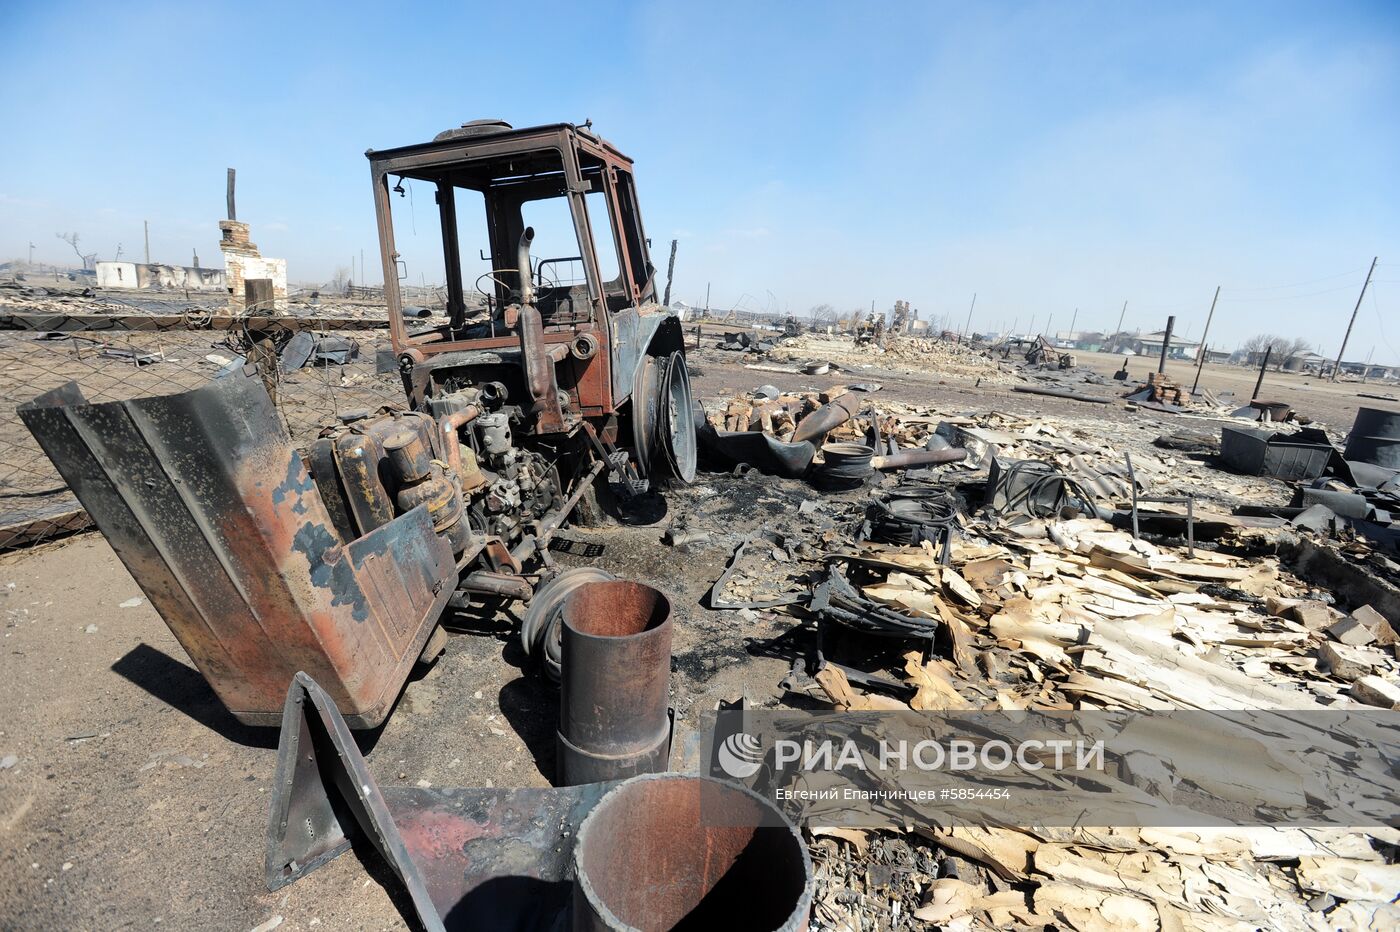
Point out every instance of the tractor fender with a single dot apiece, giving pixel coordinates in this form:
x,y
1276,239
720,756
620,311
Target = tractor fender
x,y
650,330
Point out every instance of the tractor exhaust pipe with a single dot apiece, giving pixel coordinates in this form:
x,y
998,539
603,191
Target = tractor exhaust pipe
x,y
522,265
534,355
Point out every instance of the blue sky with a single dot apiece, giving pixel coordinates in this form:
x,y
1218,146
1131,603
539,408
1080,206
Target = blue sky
x,y
1044,156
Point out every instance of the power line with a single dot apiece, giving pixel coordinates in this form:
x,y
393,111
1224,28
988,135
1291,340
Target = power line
x,y
1287,297
1311,281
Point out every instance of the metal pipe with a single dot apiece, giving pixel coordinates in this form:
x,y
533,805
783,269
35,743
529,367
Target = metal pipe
x,y
905,458
828,417
615,678
511,587
1060,393
448,425
676,851
540,381
522,267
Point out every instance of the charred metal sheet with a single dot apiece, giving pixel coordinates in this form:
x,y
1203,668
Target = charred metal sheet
x,y
765,453
614,721
214,514
506,859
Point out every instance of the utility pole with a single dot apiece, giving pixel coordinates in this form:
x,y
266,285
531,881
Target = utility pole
x,y
1119,328
1166,344
31,253
1030,331
969,314
707,299
1205,333
146,229
1072,321
232,210
1351,323
670,271
1048,321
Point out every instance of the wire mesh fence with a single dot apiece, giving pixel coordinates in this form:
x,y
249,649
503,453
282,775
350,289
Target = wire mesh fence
x,y
318,364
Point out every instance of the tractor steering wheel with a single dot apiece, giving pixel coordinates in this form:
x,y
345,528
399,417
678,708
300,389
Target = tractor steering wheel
x,y
540,289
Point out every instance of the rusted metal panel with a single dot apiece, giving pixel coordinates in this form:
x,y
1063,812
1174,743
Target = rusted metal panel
x,y
214,514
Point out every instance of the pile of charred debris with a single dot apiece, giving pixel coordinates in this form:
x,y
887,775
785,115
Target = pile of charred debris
x,y
1034,563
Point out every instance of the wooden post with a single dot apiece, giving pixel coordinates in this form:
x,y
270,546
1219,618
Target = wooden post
x,y
670,271
1204,334
1337,368
1268,351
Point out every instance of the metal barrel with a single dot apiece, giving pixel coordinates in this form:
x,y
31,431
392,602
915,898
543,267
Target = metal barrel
x,y
614,721
673,851
1375,438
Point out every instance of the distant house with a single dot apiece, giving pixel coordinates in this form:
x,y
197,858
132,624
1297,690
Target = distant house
x,y
1308,362
1150,344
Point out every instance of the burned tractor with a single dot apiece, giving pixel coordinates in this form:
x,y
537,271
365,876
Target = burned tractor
x,y
535,392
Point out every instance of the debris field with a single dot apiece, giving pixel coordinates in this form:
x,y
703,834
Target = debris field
x,y
318,617
1040,612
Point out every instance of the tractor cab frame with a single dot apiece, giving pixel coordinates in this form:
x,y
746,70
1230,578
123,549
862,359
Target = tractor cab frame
x,y
582,346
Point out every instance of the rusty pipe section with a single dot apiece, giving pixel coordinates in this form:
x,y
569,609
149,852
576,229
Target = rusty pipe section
x,y
522,267
536,357
501,584
828,417
448,426
674,851
906,458
614,721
